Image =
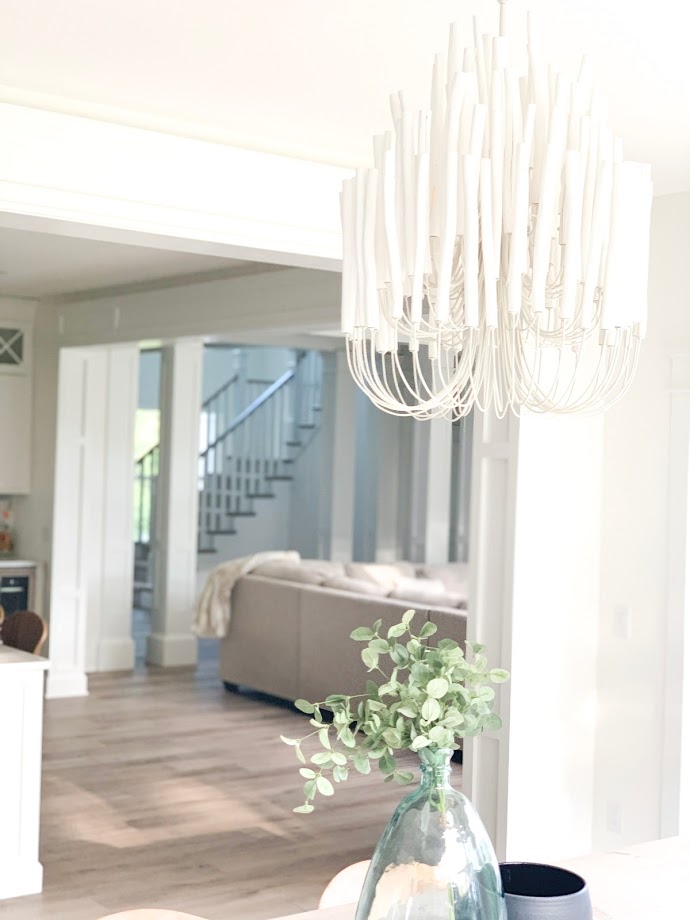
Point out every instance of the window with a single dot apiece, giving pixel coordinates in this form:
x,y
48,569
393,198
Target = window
x,y
12,347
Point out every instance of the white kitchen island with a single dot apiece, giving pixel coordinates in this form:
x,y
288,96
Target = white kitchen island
x,y
21,737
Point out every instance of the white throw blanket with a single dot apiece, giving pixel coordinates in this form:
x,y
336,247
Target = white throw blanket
x,y
212,613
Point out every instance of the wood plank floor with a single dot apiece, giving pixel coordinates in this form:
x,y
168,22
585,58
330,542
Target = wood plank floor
x,y
161,789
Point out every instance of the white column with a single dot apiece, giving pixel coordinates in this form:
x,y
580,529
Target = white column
x,y
342,493
21,728
675,755
76,518
535,553
115,646
171,642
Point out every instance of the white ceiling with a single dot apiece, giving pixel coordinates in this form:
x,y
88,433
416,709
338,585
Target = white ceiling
x,y
40,265
312,77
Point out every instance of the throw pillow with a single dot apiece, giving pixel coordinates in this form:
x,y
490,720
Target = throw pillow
x,y
287,572
387,576
356,585
420,590
325,567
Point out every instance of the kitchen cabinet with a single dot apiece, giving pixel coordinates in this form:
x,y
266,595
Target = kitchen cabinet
x,y
15,407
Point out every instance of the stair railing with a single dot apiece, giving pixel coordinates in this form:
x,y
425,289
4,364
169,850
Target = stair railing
x,y
243,463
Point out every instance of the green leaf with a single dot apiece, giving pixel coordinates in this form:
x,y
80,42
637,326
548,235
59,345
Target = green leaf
x,y
392,737
493,723
323,757
388,689
404,777
379,645
437,688
399,654
310,788
447,643
441,736
305,706
362,764
335,698
340,774
431,710
498,675
324,785
372,688
377,625
428,630
307,773
477,648
305,809
408,712
338,758
421,741
317,714
399,629
387,763
299,755
290,741
370,658
407,617
324,739
347,738
362,634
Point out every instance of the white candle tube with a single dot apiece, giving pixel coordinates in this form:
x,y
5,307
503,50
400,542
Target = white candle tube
x,y
489,260
540,97
470,175
454,52
381,142
645,226
360,220
348,205
477,132
589,188
391,231
383,333
480,64
602,200
437,119
408,186
544,230
371,302
449,200
513,136
519,236
497,152
421,235
571,235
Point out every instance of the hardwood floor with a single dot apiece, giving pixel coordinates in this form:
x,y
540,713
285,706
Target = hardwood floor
x,y
161,789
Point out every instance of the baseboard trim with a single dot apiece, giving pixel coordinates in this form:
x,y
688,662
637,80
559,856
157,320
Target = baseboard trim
x,y
116,654
171,651
20,877
66,683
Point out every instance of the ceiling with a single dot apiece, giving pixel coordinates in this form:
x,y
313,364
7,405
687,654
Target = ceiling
x,y
311,78
40,265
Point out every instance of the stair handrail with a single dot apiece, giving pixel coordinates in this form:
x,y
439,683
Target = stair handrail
x,y
251,409
219,392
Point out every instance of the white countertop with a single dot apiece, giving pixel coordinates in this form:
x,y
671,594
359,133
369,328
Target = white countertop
x,y
17,564
15,657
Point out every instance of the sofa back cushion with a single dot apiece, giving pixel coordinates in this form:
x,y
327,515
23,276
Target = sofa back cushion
x,y
356,585
287,571
387,576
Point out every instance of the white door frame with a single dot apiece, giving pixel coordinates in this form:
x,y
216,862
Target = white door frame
x,y
675,764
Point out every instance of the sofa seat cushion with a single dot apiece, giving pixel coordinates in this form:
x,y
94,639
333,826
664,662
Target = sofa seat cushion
x,y
382,574
356,585
287,571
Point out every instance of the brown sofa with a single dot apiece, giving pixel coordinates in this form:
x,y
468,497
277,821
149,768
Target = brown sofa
x,y
292,640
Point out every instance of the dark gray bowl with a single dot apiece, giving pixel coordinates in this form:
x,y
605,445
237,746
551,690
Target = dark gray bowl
x,y
538,892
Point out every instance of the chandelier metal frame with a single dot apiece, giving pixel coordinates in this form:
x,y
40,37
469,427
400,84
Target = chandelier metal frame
x,y
496,255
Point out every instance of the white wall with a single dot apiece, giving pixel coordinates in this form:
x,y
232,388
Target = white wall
x,y
629,769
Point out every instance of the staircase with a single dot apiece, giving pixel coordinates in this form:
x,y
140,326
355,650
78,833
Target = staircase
x,y
252,433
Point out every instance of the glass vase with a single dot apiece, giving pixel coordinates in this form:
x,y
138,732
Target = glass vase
x,y
435,860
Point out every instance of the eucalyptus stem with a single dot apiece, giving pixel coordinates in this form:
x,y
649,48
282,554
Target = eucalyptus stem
x,y
445,695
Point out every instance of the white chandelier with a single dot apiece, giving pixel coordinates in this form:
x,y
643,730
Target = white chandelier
x,y
497,253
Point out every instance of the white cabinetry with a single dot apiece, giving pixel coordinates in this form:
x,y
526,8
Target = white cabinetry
x,y
15,399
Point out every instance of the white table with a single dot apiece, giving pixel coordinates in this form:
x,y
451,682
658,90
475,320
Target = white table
x,y
646,882
21,736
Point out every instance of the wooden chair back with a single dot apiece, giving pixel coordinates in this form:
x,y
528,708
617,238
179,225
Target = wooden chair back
x,y
24,630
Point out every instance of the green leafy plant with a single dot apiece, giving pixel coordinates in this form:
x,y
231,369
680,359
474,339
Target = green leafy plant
x,y
432,697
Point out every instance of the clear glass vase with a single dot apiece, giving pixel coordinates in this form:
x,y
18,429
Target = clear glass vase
x,y
435,860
